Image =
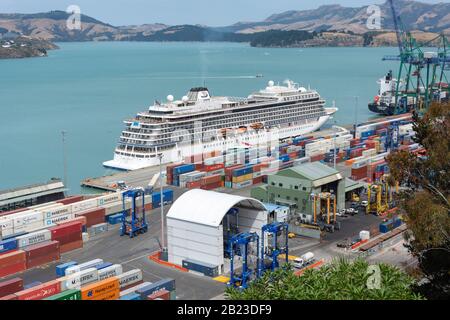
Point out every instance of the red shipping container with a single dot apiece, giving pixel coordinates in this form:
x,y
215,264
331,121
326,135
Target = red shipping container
x,y
67,228
257,167
257,180
293,155
193,184
12,258
81,219
229,170
93,217
67,247
211,179
213,167
41,260
10,286
9,297
212,186
12,269
161,294
317,157
71,199
131,285
72,237
41,249
40,292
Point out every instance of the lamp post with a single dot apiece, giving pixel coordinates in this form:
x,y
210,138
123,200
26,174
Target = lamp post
x,y
63,134
163,242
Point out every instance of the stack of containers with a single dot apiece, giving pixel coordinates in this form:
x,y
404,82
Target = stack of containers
x,y
257,174
42,253
191,179
69,235
33,238
177,171
12,262
130,279
169,172
70,200
56,214
242,177
152,288
359,170
229,174
211,182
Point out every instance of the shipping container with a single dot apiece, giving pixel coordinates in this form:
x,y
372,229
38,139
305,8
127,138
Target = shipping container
x,y
40,292
61,268
10,286
96,290
108,272
131,296
160,295
8,245
167,284
129,278
70,200
71,294
205,268
34,238
83,266
115,218
9,297
78,279
93,217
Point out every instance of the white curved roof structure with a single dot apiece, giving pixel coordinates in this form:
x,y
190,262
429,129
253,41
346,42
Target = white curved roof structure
x,y
208,207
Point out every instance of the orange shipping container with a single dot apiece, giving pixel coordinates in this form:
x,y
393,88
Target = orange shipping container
x,y
111,295
91,291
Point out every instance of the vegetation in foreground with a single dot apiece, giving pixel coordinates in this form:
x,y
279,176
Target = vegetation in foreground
x,y
339,280
425,202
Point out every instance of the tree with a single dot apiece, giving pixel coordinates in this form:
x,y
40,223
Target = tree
x,y
425,202
339,280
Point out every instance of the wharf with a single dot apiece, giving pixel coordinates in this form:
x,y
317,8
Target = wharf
x,y
141,177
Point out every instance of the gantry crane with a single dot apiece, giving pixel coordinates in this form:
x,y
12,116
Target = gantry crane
x,y
379,196
239,245
431,83
277,243
135,222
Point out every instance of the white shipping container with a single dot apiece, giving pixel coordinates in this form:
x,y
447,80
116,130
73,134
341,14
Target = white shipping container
x,y
34,238
364,235
130,277
85,236
78,279
109,198
27,218
57,211
84,205
58,219
108,272
29,227
6,224
83,266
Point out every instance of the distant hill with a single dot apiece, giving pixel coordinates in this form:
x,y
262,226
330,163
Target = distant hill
x,y
415,16
23,47
330,25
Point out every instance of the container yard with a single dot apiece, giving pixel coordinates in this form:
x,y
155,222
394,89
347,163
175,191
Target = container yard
x,y
71,248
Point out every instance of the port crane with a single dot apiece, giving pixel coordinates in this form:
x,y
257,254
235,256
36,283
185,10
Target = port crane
x,y
239,245
277,236
134,223
428,67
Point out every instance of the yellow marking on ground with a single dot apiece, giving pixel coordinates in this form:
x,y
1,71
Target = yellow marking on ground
x,y
222,279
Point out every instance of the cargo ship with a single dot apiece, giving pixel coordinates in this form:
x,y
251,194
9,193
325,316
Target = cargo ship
x,y
201,123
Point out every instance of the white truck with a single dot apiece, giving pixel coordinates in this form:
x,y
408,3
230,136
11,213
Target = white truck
x,y
304,260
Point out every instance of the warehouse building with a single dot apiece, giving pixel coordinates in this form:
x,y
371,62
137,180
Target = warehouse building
x,y
200,222
295,186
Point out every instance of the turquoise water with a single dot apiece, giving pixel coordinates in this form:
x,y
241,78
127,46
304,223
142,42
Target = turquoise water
x,y
87,89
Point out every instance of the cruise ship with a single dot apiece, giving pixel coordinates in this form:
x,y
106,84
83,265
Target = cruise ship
x,y
201,123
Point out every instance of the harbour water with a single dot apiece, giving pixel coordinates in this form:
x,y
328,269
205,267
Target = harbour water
x,y
87,89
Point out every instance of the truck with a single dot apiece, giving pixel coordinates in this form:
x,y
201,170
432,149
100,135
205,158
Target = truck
x,y
304,260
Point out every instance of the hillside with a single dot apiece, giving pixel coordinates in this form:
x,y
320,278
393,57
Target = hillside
x,y
329,25
415,16
24,47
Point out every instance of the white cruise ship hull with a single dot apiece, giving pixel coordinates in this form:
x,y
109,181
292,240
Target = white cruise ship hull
x,y
251,139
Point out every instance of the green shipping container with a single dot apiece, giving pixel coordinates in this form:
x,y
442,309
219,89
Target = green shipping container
x,y
72,294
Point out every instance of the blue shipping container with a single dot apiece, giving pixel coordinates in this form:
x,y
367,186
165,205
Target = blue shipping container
x,y
7,245
168,284
242,171
131,296
115,218
103,265
167,196
184,169
61,268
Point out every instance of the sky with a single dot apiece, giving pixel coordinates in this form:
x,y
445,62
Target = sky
x,y
206,12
